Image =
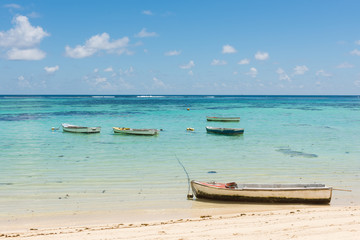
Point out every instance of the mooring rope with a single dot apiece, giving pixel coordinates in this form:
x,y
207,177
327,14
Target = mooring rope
x,y
56,128
189,196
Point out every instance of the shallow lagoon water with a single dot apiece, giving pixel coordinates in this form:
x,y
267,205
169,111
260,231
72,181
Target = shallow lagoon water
x,y
293,139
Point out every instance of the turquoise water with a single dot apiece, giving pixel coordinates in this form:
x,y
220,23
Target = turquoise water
x,y
286,140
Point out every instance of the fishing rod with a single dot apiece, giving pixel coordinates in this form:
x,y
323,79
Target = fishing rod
x,y
189,196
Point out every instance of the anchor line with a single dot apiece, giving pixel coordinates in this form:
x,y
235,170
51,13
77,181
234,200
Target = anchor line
x,y
187,175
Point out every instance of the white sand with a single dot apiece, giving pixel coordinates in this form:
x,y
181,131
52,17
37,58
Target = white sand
x,y
301,222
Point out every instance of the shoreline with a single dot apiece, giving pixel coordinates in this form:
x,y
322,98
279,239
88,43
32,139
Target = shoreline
x,y
249,222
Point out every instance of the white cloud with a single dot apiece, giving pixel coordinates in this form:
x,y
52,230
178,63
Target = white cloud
x,y
172,53
22,82
217,62
33,15
109,69
322,73
261,56
300,70
112,82
253,72
23,35
357,42
188,66
99,80
158,83
244,61
143,33
102,42
217,85
123,84
51,69
127,72
283,75
25,54
355,52
228,49
191,73
79,51
147,12
12,5
97,43
21,41
345,65
357,83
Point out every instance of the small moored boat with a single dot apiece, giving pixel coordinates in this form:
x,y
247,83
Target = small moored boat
x,y
271,193
227,131
134,131
223,119
79,129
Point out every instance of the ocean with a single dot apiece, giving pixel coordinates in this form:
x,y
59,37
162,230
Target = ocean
x,y
287,139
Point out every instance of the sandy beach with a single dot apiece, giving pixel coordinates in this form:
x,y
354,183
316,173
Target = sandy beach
x,y
290,222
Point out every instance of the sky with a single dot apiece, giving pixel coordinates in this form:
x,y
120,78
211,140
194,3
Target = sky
x,y
158,47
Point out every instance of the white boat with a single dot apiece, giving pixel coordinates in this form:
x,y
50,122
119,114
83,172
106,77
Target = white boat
x,y
79,129
223,119
273,193
134,131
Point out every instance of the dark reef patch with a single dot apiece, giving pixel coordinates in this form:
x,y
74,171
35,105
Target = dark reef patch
x,y
292,153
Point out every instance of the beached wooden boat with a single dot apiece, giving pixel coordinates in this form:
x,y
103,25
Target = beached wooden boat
x,y
227,131
79,129
223,119
271,193
134,131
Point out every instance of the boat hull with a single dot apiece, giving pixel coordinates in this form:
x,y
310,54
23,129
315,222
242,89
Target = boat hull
x,y
223,119
131,131
267,193
80,129
226,131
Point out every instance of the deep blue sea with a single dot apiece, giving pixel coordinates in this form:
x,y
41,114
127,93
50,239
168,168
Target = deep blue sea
x,y
287,139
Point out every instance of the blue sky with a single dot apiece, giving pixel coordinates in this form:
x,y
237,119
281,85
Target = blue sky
x,y
180,47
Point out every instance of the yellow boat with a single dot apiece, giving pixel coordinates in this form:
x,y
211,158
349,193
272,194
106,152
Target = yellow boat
x,y
133,131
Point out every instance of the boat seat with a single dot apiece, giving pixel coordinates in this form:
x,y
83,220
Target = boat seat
x,y
231,185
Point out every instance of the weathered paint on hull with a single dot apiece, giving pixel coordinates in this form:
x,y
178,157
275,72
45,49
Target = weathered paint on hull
x,y
82,130
220,119
150,132
225,131
308,196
